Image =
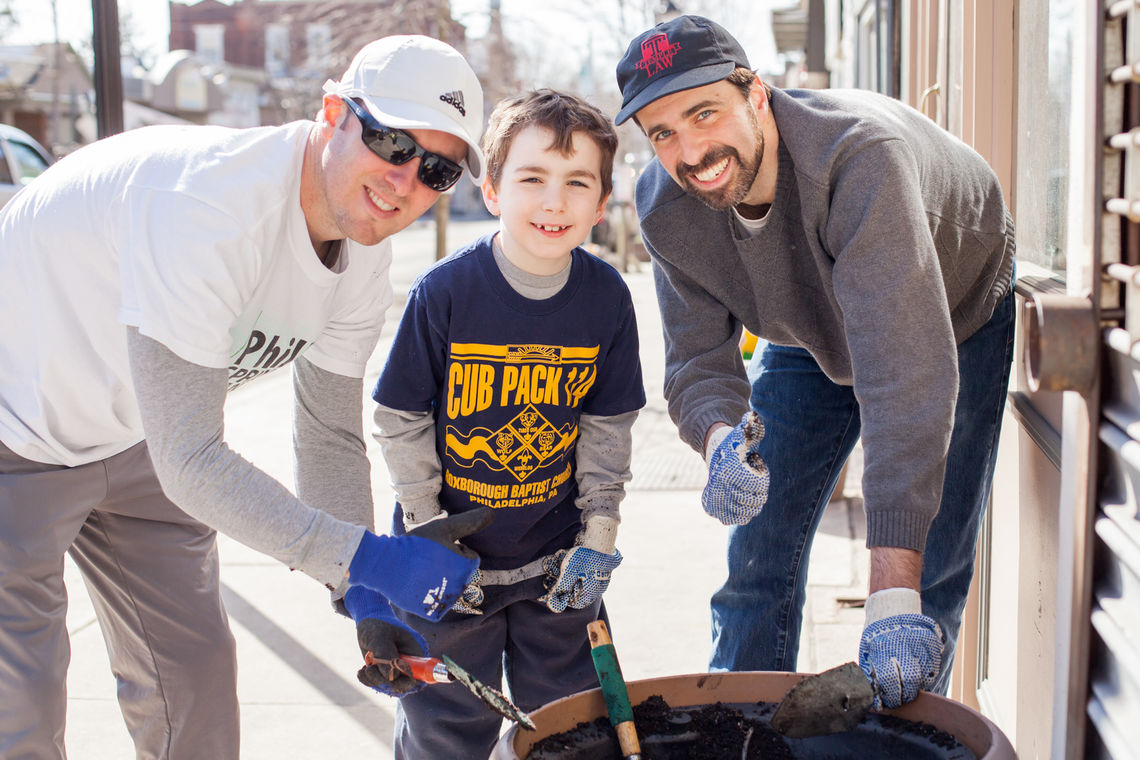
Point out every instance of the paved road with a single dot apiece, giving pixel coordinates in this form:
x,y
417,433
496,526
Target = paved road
x,y
297,660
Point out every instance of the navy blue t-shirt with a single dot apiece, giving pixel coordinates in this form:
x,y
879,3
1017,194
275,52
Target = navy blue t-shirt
x,y
507,378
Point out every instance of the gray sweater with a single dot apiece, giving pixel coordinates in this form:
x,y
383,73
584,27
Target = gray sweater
x,y
887,244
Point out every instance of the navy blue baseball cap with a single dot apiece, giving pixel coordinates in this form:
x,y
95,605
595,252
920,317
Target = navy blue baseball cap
x,y
679,54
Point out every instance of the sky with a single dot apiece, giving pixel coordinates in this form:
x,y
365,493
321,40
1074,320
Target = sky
x,y
556,27
151,22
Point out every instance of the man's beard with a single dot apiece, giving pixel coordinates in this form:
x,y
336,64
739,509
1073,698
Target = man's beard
x,y
735,191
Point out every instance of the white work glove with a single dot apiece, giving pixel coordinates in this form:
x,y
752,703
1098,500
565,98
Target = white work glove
x,y
421,511
737,488
901,649
584,570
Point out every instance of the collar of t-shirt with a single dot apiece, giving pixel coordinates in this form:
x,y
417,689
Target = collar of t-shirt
x,y
533,286
335,260
749,227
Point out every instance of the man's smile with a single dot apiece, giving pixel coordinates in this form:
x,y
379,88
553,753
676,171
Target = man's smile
x,y
713,172
380,203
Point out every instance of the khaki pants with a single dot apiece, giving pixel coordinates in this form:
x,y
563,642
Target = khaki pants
x,y
152,574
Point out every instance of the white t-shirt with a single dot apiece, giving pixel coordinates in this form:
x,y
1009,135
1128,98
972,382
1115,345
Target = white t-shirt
x,y
194,235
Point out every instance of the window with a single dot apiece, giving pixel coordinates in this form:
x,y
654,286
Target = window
x,y
277,50
209,42
5,172
318,47
876,47
29,162
1044,106
190,91
952,94
866,40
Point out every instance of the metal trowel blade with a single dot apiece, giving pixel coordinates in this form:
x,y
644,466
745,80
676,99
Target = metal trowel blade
x,y
829,703
491,697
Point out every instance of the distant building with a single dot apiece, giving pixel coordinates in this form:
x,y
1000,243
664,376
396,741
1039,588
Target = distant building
x,y
230,60
240,64
193,89
800,34
31,93
300,43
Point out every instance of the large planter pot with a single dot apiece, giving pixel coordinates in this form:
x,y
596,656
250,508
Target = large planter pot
x,y
969,727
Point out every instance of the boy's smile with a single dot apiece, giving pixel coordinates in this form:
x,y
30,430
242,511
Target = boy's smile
x,y
546,202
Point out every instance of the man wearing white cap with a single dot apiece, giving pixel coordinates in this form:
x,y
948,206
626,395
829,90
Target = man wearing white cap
x,y
147,274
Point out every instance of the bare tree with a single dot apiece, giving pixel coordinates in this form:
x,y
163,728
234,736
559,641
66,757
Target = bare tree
x,y
351,25
8,20
56,65
443,25
130,44
129,36
568,44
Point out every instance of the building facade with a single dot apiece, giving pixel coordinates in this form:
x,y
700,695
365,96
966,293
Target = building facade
x,y
1048,92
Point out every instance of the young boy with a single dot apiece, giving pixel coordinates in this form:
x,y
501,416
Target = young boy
x,y
513,382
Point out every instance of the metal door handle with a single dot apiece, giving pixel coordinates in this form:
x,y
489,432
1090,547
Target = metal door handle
x,y
933,89
1062,340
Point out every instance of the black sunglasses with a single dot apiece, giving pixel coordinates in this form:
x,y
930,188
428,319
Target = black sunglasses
x,y
398,148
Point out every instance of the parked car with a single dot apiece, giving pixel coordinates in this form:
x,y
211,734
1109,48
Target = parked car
x,y
22,159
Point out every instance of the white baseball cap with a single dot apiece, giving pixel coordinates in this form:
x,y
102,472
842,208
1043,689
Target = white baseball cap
x,y
408,81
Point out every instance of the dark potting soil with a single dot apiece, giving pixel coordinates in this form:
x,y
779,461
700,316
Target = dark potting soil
x,y
744,732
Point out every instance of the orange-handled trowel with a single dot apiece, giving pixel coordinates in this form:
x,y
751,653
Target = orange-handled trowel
x,y
444,670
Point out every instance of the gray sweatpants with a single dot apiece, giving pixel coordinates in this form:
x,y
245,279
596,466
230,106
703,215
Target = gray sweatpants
x,y
153,577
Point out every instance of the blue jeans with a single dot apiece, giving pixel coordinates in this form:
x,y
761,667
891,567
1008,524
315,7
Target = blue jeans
x,y
811,426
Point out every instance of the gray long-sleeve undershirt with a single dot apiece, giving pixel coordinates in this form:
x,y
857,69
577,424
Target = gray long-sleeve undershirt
x,y
407,440
603,451
182,406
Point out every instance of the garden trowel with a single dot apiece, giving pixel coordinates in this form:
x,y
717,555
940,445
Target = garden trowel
x,y
444,670
834,701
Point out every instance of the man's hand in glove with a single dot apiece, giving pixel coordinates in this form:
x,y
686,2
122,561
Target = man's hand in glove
x,y
584,572
737,487
424,571
380,633
901,649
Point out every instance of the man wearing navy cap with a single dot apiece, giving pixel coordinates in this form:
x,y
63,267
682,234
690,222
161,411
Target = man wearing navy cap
x,y
873,255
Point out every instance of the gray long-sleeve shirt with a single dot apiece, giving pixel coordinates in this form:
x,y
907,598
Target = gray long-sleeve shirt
x,y
318,530
887,244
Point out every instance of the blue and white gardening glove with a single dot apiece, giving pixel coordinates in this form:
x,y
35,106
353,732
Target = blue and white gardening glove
x,y
737,488
382,636
472,597
584,570
901,649
424,571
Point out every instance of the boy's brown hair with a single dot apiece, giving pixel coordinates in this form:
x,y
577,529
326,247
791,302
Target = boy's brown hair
x,y
561,113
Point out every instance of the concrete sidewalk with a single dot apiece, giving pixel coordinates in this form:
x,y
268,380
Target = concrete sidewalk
x,y
297,659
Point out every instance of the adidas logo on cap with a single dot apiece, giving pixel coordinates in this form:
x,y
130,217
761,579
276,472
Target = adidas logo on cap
x,y
454,98
401,77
